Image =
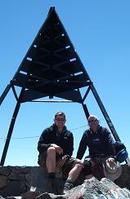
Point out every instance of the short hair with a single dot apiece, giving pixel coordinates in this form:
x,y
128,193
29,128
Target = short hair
x,y
93,116
60,114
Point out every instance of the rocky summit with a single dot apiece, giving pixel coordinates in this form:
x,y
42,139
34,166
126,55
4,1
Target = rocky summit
x,y
30,183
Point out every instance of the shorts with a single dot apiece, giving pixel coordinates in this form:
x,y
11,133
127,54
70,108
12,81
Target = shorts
x,y
69,164
42,158
87,170
97,168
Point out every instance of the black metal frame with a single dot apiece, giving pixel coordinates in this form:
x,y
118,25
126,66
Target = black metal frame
x,y
51,67
86,111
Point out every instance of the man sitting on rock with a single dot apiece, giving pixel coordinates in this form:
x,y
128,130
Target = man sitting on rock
x,y
55,148
101,147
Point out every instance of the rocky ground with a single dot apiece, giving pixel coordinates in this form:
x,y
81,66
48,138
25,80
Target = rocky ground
x,y
90,189
15,183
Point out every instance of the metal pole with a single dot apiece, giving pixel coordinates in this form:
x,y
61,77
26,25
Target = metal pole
x,y
4,93
85,110
8,138
104,112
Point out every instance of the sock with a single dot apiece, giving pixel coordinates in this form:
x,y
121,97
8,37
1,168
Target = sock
x,y
69,181
51,175
68,185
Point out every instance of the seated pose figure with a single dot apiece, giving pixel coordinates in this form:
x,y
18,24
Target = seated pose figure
x,y
55,148
100,144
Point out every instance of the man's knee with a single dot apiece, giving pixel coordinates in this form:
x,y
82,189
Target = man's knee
x,y
79,166
44,155
51,151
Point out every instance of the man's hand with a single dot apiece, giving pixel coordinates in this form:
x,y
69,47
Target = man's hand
x,y
61,162
111,162
59,150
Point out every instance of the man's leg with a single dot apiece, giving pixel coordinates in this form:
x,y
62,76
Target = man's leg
x,y
51,168
51,160
47,160
72,176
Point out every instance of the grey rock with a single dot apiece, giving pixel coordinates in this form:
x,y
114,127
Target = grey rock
x,y
31,182
95,189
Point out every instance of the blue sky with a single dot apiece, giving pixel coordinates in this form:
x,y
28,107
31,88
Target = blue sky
x,y
100,32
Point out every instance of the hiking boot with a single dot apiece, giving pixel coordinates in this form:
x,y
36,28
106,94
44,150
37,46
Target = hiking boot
x,y
53,186
50,185
67,186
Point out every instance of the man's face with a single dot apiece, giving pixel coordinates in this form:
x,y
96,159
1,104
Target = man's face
x,y
93,122
60,121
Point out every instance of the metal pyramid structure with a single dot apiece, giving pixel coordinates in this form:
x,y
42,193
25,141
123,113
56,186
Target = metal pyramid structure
x,y
51,68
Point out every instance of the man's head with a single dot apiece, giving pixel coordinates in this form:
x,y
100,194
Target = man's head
x,y
60,120
93,122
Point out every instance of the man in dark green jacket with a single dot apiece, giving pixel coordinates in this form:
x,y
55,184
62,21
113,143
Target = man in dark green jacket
x,y
55,148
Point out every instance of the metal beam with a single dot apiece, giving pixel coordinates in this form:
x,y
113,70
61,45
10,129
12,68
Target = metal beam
x,y
85,110
104,112
8,138
5,93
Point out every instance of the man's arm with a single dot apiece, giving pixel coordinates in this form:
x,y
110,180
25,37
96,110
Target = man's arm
x,y
43,143
82,146
110,142
70,145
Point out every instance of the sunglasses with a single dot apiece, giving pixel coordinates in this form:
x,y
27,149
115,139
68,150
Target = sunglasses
x,y
60,119
89,121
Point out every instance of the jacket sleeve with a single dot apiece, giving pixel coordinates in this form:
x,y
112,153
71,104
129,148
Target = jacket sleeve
x,y
82,146
71,145
110,142
43,142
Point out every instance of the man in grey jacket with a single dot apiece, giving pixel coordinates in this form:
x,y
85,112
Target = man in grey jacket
x,y
100,145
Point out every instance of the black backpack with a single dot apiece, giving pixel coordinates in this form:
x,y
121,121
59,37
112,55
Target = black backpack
x,y
121,153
